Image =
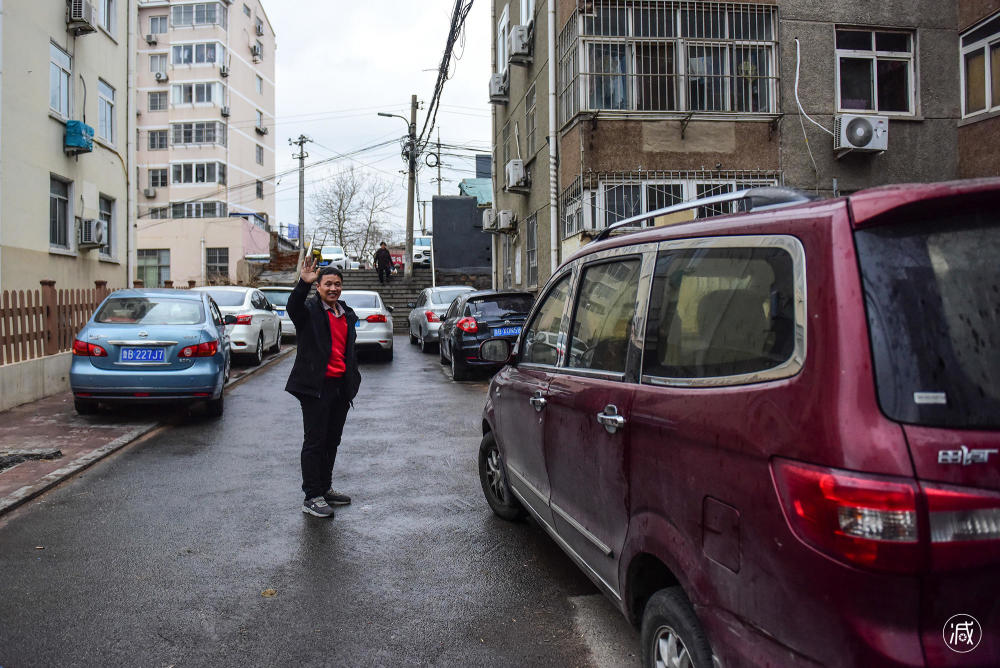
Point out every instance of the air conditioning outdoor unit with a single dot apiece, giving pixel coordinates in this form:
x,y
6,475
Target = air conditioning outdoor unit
x,y
261,130
161,77
860,133
520,45
149,192
260,30
150,39
517,177
489,220
93,233
505,220
256,51
224,71
80,17
225,112
498,88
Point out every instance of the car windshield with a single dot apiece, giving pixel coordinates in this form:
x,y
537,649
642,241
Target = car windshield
x,y
151,311
934,315
360,300
228,297
500,306
445,297
417,241
333,250
277,297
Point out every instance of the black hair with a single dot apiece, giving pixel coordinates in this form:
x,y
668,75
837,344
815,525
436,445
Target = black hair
x,y
382,243
327,270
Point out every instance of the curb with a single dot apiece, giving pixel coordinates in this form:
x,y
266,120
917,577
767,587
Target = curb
x,y
28,492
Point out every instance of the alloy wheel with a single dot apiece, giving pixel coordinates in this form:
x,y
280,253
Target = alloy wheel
x,y
669,650
495,476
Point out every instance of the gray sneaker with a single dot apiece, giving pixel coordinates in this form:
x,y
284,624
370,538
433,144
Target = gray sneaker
x,y
318,507
335,498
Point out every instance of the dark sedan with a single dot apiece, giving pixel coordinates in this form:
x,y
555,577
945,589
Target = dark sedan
x,y
474,317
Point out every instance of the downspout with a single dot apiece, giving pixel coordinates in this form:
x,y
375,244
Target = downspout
x,y
131,206
493,166
1,144
553,149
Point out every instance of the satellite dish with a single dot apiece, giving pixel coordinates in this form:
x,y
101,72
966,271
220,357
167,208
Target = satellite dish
x,y
860,132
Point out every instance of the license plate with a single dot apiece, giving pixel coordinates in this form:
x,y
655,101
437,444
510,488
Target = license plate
x,y
357,323
280,314
129,354
506,331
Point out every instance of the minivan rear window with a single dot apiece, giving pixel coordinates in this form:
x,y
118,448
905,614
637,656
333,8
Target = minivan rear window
x,y
500,306
932,294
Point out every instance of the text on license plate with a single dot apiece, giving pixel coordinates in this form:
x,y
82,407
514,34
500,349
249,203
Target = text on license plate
x,y
506,331
280,313
131,354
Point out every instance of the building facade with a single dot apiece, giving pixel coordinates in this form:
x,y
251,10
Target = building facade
x,y
658,102
66,151
979,129
205,104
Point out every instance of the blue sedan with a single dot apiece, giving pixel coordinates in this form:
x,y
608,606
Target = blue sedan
x,y
152,346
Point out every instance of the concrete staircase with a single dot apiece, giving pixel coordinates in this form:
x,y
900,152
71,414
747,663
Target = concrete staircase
x,y
396,293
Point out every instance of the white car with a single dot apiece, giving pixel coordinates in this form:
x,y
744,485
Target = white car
x,y
333,256
257,326
374,326
278,297
421,251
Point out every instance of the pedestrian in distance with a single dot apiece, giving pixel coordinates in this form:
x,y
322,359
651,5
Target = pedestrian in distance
x,y
324,378
383,262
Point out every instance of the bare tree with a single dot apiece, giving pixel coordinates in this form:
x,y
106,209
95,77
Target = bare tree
x,y
352,210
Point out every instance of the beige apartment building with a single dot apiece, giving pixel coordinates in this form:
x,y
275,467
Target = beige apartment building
x,y
205,108
66,149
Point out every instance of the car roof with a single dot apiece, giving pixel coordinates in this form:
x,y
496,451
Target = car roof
x,y
451,287
359,292
173,293
469,296
224,288
276,288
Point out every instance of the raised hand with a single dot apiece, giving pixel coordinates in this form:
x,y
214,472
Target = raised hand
x,y
310,269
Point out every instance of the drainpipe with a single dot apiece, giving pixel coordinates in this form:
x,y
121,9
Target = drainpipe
x,y
553,150
132,206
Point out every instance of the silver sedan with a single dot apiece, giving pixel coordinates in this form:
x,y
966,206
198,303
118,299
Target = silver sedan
x,y
374,326
257,326
426,312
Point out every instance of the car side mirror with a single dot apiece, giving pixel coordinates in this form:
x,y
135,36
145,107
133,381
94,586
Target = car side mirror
x,y
389,308
229,319
495,350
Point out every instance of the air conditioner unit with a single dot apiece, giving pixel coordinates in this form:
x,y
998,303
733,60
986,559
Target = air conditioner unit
x,y
79,138
260,29
161,77
860,133
261,130
149,192
151,39
516,175
93,233
505,220
224,71
520,45
498,88
489,220
256,51
225,112
81,18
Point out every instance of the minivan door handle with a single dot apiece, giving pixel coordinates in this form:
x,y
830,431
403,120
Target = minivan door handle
x,y
538,401
610,418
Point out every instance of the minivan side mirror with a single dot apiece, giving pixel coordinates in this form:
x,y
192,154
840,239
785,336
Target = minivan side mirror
x,y
495,350
229,319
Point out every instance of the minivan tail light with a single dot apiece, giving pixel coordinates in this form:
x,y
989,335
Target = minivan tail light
x,y
867,520
86,349
964,526
206,349
243,319
431,316
468,324
376,317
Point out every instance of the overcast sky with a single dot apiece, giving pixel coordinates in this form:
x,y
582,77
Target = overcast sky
x,y
339,62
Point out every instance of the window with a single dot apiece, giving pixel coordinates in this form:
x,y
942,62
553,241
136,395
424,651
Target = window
x,y
198,172
678,56
602,322
721,311
60,73
157,25
107,15
204,13
158,177
527,14
540,341
200,93
157,140
260,118
260,190
198,210
875,71
105,111
981,67
531,249
259,25
529,123
159,212
505,135
503,39
197,54
246,10
217,263
208,132
157,62
508,262
258,51
106,210
260,84
58,212
154,266
158,101
260,154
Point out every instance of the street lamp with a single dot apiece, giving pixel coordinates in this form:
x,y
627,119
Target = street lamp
x,y
411,159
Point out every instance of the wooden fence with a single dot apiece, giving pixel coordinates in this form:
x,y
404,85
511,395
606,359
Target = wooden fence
x,y
35,323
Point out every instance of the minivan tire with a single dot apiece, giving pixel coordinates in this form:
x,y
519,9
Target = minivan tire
x,y
493,478
671,631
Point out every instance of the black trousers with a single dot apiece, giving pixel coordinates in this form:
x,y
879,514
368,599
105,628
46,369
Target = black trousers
x,y
384,271
323,420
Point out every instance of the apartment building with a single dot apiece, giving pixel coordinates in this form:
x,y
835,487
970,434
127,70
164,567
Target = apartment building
x,y
205,105
979,129
658,102
65,143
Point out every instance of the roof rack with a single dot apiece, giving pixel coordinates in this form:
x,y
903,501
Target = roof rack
x,y
750,199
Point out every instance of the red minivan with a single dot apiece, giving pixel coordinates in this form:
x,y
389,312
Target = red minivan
x,y
771,438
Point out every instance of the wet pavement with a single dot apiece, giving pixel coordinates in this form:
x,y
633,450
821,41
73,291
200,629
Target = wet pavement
x,y
188,547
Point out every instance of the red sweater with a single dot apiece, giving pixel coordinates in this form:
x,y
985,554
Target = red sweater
x,y
335,366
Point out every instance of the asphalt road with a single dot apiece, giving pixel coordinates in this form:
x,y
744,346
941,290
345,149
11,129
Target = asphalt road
x,y
189,548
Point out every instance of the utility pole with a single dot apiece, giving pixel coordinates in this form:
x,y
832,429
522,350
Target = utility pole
x,y
439,161
412,160
301,157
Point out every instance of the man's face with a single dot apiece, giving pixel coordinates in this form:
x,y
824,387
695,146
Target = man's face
x,y
329,289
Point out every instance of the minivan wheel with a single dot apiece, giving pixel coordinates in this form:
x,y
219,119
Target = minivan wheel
x,y
494,481
671,633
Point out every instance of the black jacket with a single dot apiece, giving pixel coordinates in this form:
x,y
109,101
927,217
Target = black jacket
x,y
313,340
383,259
